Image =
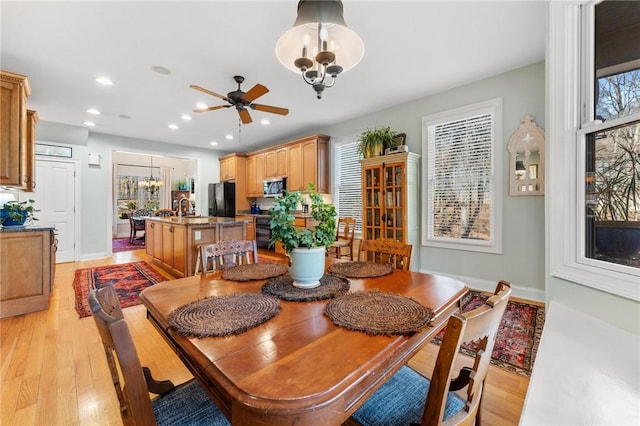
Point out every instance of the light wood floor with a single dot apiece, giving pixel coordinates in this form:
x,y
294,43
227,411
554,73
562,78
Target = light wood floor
x,y
54,372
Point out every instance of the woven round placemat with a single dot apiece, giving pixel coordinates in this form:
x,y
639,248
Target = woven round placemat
x,y
361,269
375,312
330,286
254,271
223,315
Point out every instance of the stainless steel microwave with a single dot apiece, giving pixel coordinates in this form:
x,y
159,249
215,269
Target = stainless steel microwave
x,y
275,187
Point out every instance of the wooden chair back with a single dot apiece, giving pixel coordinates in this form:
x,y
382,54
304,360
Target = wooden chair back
x,y
386,251
164,213
481,327
133,394
225,254
345,234
136,225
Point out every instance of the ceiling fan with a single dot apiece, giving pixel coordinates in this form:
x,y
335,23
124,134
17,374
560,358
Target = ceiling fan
x,y
241,100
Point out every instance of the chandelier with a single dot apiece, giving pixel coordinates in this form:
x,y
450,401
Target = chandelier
x,y
327,46
152,185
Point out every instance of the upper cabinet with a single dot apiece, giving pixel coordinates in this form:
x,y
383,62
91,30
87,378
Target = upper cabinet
x,y
255,174
309,164
32,120
231,166
16,156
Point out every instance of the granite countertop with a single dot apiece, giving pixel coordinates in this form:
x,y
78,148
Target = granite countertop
x,y
28,228
265,213
196,220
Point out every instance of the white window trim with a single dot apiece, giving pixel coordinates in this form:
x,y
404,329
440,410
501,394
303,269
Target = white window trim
x,y
493,106
564,210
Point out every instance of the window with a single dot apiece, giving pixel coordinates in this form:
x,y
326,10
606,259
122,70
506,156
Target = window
x,y
594,125
348,191
131,197
463,188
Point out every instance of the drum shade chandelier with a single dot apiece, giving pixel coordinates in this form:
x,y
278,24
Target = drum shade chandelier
x,y
320,45
152,185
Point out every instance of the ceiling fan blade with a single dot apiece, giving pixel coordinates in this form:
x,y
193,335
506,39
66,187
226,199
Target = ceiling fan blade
x,y
244,116
213,108
255,92
271,109
209,92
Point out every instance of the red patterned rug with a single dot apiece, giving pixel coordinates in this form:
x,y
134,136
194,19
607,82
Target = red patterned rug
x,y
518,335
123,244
129,279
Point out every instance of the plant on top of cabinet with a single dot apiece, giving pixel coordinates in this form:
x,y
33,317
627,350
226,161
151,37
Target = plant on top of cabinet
x,y
16,213
373,142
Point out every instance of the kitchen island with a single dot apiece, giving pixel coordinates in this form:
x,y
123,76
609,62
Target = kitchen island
x,y
173,242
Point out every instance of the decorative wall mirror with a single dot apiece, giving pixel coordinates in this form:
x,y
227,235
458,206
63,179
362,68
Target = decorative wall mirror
x,y
526,159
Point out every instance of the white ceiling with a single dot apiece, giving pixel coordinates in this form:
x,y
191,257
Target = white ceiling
x,y
412,49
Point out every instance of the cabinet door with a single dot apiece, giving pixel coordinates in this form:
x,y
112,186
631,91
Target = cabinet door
x,y
394,201
30,151
157,241
260,173
179,234
270,164
251,176
372,208
149,239
282,161
167,245
224,169
309,158
13,117
294,179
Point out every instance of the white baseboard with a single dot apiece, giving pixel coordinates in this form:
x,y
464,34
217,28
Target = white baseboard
x,y
94,256
486,285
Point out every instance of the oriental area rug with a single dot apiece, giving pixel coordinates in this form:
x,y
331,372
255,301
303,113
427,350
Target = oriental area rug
x,y
123,244
518,336
128,279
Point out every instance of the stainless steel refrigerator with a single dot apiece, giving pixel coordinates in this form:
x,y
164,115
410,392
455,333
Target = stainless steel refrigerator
x,y
222,199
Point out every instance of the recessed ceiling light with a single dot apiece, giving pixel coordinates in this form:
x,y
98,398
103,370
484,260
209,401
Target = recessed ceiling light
x,y
265,122
201,106
185,117
214,143
173,126
229,137
161,70
93,111
105,81
89,123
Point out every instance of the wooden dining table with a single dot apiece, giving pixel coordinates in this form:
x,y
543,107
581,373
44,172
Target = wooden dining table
x,y
298,367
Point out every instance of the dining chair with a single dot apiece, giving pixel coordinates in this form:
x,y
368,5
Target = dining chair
x,y
164,213
386,251
225,254
187,403
344,237
410,398
136,225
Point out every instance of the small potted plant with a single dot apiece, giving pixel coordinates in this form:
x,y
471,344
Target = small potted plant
x,y
373,142
305,247
16,213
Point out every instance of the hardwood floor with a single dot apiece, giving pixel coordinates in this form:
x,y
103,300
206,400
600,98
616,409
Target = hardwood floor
x,y
53,369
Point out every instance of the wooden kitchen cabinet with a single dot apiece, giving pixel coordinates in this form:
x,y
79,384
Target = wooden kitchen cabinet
x,y
308,162
15,165
30,180
27,261
270,164
390,197
251,226
282,161
255,175
232,166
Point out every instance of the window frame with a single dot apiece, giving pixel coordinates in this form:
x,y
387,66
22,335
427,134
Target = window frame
x,y
494,245
570,83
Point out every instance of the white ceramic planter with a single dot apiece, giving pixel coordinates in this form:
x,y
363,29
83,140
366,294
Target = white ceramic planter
x,y
307,266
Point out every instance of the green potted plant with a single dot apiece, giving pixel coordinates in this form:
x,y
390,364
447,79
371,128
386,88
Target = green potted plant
x,y
305,247
16,213
373,142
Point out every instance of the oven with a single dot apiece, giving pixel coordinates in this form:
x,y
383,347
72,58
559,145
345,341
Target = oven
x,y
263,231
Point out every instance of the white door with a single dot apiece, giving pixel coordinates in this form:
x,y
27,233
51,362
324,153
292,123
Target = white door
x,y
55,198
